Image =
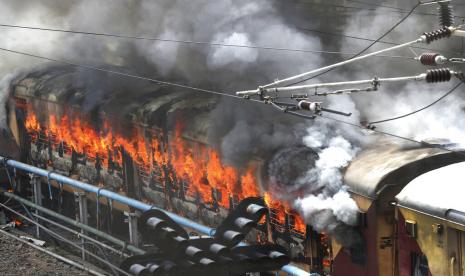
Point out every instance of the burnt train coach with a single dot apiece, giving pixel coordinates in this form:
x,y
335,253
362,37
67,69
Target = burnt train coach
x,y
152,145
154,148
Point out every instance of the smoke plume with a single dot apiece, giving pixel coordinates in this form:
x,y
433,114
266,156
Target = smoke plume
x,y
305,159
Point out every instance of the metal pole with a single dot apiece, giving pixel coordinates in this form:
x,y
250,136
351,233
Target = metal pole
x,y
133,232
420,77
127,201
37,197
72,222
104,245
105,193
82,204
303,76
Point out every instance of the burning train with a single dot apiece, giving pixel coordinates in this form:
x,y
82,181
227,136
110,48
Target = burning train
x,y
155,148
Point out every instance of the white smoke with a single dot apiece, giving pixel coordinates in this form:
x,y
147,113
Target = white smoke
x,y
444,119
326,190
223,56
4,90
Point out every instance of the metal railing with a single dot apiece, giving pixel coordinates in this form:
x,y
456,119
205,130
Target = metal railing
x,y
293,270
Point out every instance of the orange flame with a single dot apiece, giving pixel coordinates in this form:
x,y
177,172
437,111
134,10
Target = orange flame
x,y
17,222
199,168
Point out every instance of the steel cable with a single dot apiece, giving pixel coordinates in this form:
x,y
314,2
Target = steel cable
x,y
366,48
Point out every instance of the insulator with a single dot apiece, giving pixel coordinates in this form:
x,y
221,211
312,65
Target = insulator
x,y
139,270
179,242
156,223
195,252
153,268
206,261
242,223
438,34
438,75
219,249
432,59
169,266
446,14
276,255
257,256
256,211
233,236
311,106
169,232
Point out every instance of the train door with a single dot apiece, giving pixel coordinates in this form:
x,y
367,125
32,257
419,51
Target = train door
x,y
456,252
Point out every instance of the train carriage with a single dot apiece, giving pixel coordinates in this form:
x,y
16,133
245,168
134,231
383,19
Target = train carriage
x,y
374,178
431,216
146,154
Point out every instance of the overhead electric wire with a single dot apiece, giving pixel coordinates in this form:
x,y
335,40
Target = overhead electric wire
x,y
421,143
355,9
366,48
122,74
388,7
418,110
375,5
189,41
205,91
371,40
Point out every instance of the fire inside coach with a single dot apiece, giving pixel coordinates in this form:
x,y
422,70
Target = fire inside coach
x,y
171,167
156,149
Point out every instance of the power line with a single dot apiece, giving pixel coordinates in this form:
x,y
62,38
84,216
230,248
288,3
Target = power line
x,y
418,110
371,40
390,7
356,9
123,74
376,5
188,41
197,89
422,143
366,48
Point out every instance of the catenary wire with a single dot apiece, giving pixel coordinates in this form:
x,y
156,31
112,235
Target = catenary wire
x,y
422,143
188,41
371,40
375,5
203,90
366,48
356,9
122,74
418,110
386,6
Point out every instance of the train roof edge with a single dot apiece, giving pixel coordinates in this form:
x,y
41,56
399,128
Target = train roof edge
x,y
438,192
388,165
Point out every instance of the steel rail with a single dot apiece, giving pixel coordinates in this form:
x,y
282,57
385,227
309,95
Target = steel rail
x,y
127,201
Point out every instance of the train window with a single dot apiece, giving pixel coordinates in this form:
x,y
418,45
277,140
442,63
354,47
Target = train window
x,y
411,228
